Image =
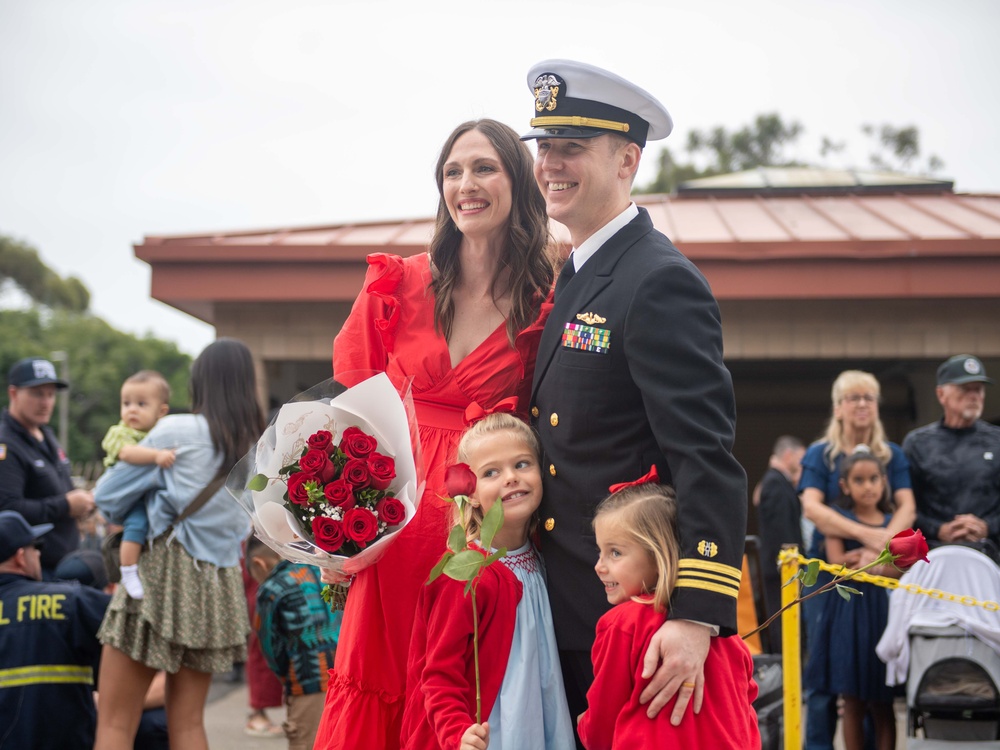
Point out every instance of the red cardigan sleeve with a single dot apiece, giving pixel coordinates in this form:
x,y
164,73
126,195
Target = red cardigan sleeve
x,y
440,685
613,682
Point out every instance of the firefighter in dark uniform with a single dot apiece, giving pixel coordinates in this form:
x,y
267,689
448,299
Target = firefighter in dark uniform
x,y
49,650
34,470
629,375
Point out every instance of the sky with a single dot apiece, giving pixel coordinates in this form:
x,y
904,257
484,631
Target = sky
x,y
121,119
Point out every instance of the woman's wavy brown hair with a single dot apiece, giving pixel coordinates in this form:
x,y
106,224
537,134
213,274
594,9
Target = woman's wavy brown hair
x,y
524,251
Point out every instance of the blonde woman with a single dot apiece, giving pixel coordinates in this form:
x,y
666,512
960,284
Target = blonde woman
x,y
855,420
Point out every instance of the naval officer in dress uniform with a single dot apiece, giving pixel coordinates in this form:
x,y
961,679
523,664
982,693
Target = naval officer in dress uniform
x,y
629,375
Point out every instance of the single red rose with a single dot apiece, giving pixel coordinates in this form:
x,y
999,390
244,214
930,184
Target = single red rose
x,y
459,479
360,526
382,470
318,463
298,489
339,494
391,511
356,473
321,440
328,533
908,546
357,443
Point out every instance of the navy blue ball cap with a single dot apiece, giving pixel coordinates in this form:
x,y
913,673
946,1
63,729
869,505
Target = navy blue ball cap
x,y
962,368
578,100
33,371
85,566
15,533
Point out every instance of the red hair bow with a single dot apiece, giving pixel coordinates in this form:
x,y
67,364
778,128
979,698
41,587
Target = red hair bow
x,y
474,412
649,476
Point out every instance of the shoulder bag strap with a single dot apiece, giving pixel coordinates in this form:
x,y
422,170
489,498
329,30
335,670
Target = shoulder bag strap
x,y
203,497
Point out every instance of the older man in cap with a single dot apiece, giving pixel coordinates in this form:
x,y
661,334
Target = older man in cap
x,y
48,646
34,470
955,462
629,376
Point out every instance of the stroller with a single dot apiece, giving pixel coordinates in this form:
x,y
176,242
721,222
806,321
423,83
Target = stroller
x,y
947,653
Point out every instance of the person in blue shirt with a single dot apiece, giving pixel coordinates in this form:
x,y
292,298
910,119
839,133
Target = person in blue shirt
x,y
192,621
854,421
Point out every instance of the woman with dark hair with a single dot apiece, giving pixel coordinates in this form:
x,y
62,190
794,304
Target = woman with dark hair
x,y
460,326
192,621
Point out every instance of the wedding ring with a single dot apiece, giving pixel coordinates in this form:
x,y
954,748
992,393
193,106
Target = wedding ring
x,y
688,685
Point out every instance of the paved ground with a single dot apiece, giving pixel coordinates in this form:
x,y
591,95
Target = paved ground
x,y
226,716
228,708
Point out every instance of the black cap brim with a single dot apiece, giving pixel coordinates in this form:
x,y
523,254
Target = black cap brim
x,y
970,379
563,133
59,384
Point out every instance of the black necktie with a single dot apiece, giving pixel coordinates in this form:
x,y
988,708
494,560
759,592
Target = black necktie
x,y
565,275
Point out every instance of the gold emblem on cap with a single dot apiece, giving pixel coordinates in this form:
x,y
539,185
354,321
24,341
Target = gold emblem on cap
x,y
546,90
554,419
590,318
707,548
550,523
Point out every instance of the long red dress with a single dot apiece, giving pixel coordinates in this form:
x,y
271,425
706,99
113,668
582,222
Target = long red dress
x,y
391,329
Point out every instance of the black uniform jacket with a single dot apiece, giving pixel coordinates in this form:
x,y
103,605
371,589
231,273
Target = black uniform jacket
x,y
34,480
647,385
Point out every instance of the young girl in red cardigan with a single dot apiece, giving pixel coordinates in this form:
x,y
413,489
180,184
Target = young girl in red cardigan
x,y
636,530
521,682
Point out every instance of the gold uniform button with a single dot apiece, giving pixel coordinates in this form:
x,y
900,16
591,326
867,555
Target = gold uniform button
x,y
552,469
534,411
554,419
550,523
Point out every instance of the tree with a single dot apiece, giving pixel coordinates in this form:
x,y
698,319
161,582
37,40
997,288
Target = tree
x,y
759,144
99,358
762,144
20,265
898,148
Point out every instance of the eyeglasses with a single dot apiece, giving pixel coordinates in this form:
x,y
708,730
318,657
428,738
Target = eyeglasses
x,y
855,398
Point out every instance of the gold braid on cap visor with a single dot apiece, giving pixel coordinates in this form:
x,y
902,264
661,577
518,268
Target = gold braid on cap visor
x,y
578,122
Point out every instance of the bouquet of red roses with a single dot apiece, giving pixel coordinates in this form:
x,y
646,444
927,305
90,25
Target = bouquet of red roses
x,y
341,492
333,477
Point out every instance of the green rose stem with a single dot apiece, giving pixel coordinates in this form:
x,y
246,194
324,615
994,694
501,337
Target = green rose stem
x,y
462,563
906,548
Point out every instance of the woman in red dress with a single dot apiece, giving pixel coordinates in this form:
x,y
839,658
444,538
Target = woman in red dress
x,y
460,324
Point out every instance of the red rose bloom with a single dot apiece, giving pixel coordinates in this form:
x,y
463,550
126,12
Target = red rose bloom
x,y
339,494
391,511
329,533
908,546
321,440
357,443
298,492
318,463
459,479
360,526
356,473
382,470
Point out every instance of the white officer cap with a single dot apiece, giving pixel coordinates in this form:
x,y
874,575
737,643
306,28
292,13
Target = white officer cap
x,y
577,100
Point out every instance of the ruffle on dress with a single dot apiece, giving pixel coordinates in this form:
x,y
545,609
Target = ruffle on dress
x,y
385,287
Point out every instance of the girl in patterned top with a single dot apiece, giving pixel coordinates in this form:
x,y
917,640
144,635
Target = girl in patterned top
x,y
521,683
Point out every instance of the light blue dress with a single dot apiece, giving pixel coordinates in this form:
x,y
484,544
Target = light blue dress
x,y
532,697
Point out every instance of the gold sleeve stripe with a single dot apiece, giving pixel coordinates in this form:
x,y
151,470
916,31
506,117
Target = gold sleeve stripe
x,y
707,586
721,580
693,563
578,122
